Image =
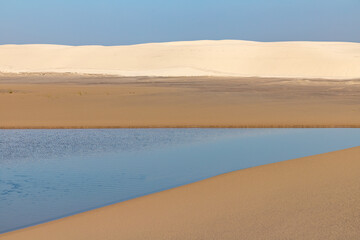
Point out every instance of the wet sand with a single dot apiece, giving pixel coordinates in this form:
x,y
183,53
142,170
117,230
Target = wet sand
x,y
315,197
101,101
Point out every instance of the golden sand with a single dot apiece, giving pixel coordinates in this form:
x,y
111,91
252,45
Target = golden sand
x,y
95,101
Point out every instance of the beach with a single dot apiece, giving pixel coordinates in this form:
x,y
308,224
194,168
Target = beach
x,y
315,197
200,84
102,101
176,120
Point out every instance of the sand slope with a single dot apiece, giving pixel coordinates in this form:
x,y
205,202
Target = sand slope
x,y
316,197
337,60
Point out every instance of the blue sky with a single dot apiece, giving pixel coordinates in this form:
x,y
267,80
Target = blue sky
x,y
118,22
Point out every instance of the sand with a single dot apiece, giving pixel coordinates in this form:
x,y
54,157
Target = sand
x,y
334,60
316,197
226,83
97,101
200,84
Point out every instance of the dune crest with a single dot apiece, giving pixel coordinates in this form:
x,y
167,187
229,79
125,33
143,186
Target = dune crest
x,y
331,60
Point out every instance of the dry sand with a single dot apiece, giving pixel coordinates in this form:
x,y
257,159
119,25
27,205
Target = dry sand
x,y
96,101
315,197
335,60
222,99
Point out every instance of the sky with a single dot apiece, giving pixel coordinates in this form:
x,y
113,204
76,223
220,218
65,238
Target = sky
x,y
123,22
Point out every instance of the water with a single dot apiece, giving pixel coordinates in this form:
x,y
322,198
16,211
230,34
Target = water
x,y
48,174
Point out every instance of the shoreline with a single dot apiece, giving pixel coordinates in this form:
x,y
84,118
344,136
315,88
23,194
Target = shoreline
x,y
274,201
179,126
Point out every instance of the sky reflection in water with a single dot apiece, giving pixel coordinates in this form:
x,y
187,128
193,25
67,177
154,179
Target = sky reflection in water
x,y
47,174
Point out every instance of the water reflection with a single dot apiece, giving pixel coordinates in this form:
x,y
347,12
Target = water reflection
x,y
47,174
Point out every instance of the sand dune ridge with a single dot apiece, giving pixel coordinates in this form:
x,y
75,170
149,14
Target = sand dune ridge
x,y
337,60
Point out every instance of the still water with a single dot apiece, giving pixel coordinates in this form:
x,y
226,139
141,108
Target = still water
x,y
48,174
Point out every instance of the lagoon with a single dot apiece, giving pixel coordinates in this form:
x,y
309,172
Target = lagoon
x,y
49,174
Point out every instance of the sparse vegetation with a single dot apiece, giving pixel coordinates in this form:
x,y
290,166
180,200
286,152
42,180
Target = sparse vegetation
x,y
82,93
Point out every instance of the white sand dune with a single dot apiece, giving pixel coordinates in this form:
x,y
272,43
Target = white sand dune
x,y
332,60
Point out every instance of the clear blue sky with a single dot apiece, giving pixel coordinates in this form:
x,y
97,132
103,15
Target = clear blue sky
x,y
117,22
